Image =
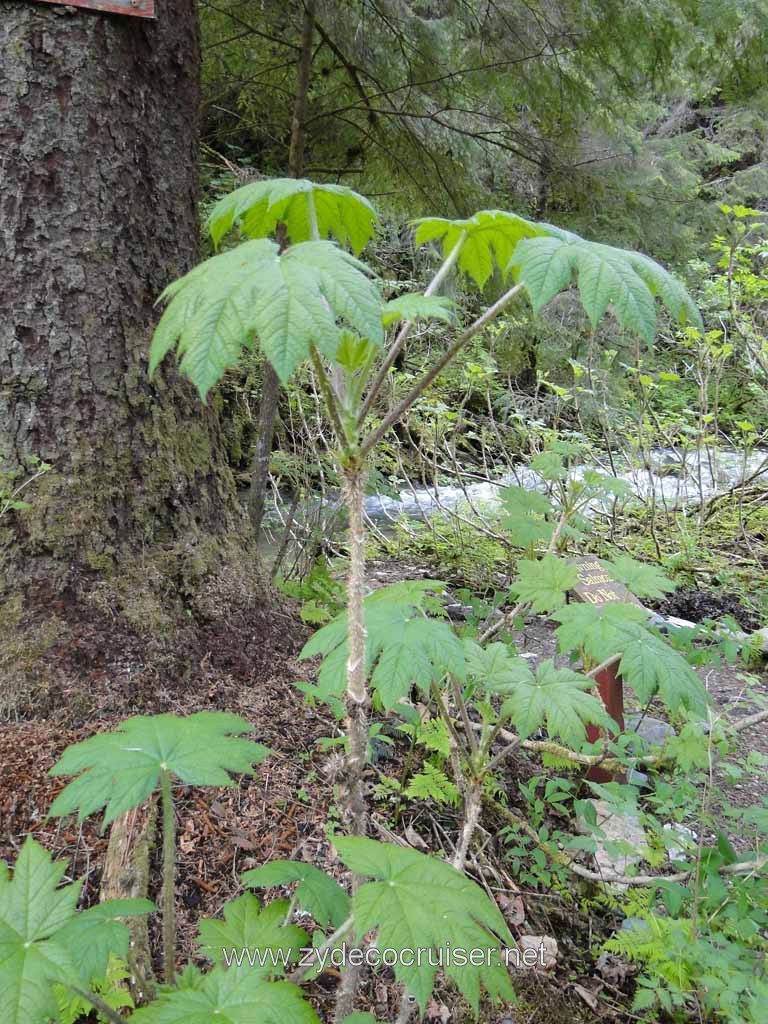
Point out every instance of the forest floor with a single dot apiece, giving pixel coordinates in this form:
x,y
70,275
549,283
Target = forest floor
x,y
283,812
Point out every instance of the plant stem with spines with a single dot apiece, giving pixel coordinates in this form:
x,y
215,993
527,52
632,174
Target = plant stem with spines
x,y
356,700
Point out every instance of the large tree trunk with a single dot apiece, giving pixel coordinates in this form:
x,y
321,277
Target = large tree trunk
x,y
98,182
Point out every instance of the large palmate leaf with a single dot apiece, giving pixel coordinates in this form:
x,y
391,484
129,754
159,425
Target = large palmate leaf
x,y
597,630
489,238
120,769
288,302
403,647
555,697
495,667
93,935
642,579
420,903
317,893
652,667
543,583
273,945
526,516
43,940
259,207
415,306
626,281
237,995
648,663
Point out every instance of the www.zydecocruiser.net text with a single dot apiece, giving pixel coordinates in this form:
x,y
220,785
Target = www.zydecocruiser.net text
x,y
372,956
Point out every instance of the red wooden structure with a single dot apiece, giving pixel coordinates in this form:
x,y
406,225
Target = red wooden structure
x,y
138,8
595,586
611,689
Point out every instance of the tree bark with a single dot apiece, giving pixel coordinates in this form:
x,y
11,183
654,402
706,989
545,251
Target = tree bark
x,y
98,188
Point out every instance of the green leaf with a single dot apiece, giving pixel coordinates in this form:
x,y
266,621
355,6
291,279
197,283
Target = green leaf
x,y
651,666
689,749
288,301
642,579
668,288
543,583
121,769
557,697
598,630
524,531
418,902
549,465
648,663
546,268
353,351
246,926
403,647
626,281
494,666
417,306
32,910
238,995
519,501
490,236
259,207
407,652
110,986
524,523
434,735
359,1018
606,278
44,941
98,933
317,893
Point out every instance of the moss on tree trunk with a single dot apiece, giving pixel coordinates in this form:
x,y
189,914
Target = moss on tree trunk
x,y
135,526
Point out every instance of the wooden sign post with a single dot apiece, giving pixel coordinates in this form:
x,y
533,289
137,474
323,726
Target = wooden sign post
x,y
138,8
596,586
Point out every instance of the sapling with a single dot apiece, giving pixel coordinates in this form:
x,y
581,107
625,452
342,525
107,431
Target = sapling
x,y
121,769
11,499
315,301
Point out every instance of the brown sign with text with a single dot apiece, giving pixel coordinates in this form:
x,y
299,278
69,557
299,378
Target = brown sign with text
x,y
595,584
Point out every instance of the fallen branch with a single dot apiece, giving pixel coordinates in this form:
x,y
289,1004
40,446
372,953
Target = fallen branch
x,y
610,878
126,876
592,760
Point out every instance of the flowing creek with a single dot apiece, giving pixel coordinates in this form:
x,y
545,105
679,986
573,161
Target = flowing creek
x,y
673,479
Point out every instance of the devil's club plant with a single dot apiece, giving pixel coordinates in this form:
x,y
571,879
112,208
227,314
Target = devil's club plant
x,y
314,301
44,942
121,769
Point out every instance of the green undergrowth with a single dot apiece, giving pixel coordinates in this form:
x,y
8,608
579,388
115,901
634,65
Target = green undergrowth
x,y
727,552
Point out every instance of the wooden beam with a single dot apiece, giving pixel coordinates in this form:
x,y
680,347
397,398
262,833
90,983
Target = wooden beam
x,y
137,8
